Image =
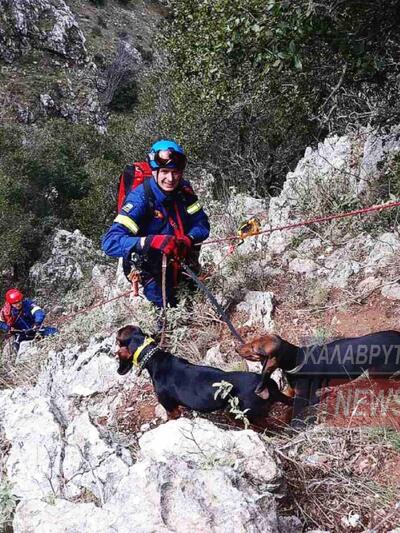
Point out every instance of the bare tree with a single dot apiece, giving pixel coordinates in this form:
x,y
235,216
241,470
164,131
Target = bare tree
x,y
126,62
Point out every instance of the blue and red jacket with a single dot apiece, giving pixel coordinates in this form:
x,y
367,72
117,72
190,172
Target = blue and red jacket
x,y
27,317
138,218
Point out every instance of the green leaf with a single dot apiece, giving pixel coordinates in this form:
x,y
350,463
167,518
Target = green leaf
x,y
297,63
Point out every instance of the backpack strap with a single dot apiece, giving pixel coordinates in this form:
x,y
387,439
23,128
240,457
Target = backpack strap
x,y
148,193
125,184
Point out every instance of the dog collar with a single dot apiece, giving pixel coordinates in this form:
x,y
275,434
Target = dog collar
x,y
297,368
142,364
140,349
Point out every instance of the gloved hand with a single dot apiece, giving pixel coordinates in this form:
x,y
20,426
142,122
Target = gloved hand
x,y
164,243
184,244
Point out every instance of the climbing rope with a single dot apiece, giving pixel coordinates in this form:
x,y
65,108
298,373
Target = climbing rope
x,y
242,234
316,220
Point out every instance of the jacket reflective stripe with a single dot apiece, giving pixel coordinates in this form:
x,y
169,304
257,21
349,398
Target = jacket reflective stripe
x,y
128,223
194,208
35,308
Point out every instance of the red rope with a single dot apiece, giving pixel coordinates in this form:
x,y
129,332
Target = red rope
x,y
315,220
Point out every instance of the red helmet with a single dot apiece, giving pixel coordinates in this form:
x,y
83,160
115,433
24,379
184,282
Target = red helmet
x,y
13,296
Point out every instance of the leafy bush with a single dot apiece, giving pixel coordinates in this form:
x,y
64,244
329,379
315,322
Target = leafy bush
x,y
125,97
253,82
7,504
58,175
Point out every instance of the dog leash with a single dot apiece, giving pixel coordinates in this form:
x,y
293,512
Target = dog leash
x,y
164,299
212,299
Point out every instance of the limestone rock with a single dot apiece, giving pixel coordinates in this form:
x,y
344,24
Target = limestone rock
x,y
386,247
41,24
215,358
377,150
60,516
369,284
71,258
321,164
90,463
189,474
75,372
199,441
258,306
302,266
34,459
392,292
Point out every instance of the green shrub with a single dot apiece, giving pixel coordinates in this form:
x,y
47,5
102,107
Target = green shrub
x,y
57,175
125,97
7,504
252,83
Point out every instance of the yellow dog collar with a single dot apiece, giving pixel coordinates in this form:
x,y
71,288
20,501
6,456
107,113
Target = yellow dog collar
x,y
139,350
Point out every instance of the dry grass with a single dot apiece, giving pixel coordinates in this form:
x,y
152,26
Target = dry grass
x,y
337,477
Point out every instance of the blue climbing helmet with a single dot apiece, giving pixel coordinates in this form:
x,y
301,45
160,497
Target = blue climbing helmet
x,y
166,154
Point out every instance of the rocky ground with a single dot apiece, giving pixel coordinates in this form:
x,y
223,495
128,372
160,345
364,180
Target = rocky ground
x,y
83,449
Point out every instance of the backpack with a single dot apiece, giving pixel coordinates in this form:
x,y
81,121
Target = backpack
x,y
132,176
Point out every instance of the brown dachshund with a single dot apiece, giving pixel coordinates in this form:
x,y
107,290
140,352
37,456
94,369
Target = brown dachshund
x,y
311,367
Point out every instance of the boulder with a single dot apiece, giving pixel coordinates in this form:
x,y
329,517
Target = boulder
x,y
190,476
90,463
69,263
385,249
320,165
81,373
60,516
302,266
35,454
391,292
214,357
200,442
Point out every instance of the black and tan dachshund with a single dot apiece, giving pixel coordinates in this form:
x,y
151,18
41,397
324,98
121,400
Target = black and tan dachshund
x,y
177,382
311,367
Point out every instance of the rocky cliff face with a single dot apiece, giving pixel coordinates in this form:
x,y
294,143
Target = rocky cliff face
x,y
45,25
62,58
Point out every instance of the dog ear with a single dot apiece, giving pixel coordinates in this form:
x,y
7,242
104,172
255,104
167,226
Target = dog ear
x,y
125,366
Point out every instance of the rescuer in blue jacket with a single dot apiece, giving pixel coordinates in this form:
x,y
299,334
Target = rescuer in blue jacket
x,y
23,319
161,216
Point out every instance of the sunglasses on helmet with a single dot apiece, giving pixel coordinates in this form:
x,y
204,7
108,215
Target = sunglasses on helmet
x,y
170,159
